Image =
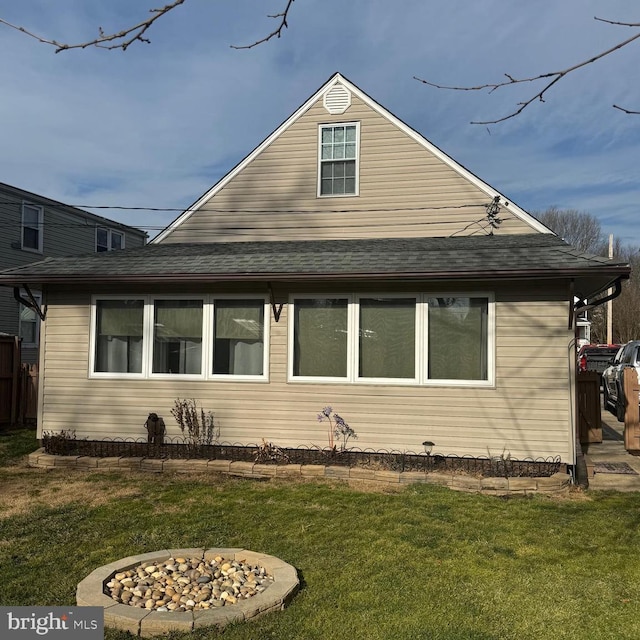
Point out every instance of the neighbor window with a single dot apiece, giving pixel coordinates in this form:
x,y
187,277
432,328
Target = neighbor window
x,y
421,339
320,332
32,221
177,336
119,336
238,343
29,323
108,239
338,160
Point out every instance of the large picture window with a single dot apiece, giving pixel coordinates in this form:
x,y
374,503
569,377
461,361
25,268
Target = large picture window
x,y
238,344
458,338
203,337
387,338
320,344
119,336
395,339
177,336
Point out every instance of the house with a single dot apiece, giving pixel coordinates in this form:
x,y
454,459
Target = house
x,y
35,227
345,262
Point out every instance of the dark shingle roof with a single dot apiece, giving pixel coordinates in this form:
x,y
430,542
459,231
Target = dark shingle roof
x,y
434,258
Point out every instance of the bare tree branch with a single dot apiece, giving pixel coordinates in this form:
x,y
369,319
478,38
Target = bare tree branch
x,y
275,33
554,76
627,111
120,40
136,33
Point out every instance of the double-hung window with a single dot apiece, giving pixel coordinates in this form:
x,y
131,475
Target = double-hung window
x,y
32,224
195,336
393,339
108,239
338,162
29,323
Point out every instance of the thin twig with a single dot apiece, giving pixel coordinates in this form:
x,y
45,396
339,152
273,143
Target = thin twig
x,y
555,76
275,33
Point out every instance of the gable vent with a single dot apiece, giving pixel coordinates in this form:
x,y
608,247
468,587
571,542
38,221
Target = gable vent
x,y
337,99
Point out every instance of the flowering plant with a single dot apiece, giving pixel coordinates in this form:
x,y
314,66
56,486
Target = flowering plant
x,y
337,428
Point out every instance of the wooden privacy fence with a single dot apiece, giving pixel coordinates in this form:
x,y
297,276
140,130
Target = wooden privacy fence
x,y
589,416
18,385
631,414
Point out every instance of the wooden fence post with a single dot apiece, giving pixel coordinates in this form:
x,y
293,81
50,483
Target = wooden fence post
x,y
631,417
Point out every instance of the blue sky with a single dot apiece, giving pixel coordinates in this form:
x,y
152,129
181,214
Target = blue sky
x,y
158,125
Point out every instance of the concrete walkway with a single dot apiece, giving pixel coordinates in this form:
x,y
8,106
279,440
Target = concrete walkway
x,y
612,450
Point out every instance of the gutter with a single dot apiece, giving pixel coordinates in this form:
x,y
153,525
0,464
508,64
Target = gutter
x,y
511,274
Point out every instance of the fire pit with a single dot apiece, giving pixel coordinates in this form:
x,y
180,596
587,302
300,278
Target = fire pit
x,y
185,589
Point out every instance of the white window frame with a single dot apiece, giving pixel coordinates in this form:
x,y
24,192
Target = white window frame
x,y
110,234
39,227
417,339
151,333
264,377
421,340
331,125
37,296
291,337
145,340
208,302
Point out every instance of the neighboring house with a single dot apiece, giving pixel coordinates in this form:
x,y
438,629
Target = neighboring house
x,y
346,261
35,227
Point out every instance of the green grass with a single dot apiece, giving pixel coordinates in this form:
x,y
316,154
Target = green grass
x,y
16,443
426,563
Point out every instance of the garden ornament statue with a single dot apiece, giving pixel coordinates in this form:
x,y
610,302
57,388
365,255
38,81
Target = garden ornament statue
x,y
155,429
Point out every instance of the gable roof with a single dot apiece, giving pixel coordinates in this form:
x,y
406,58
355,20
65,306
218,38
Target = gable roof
x,y
530,256
337,80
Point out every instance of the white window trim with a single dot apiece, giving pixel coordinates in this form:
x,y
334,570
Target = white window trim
x,y
110,233
421,341
231,377
37,295
40,225
92,338
417,344
290,337
320,161
208,301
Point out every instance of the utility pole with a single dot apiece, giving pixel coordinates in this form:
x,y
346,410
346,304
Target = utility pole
x,y
610,303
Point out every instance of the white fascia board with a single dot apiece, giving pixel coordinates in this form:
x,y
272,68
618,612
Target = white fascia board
x,y
338,78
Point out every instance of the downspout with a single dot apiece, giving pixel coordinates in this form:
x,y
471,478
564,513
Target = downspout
x,y
581,474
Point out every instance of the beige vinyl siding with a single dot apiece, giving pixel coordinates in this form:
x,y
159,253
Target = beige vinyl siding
x,y
526,414
405,191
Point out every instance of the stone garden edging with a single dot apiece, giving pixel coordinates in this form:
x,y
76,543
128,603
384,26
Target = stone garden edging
x,y
145,623
557,483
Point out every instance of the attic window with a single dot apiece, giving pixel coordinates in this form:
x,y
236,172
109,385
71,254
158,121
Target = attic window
x,y
338,163
337,100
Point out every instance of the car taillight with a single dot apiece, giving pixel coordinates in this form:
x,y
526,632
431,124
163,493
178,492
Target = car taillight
x,y
583,363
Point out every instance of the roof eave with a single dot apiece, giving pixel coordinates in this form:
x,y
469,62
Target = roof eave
x,y
612,271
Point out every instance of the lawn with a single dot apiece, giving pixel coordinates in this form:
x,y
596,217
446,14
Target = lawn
x,y
422,563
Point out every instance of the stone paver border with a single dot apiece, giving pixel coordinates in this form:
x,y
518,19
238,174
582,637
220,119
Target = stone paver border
x,y
145,623
557,483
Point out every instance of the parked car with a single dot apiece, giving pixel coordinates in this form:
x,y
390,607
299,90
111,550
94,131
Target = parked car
x,y
628,356
596,357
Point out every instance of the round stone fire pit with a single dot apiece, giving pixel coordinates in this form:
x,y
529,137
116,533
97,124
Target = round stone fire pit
x,y
224,586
